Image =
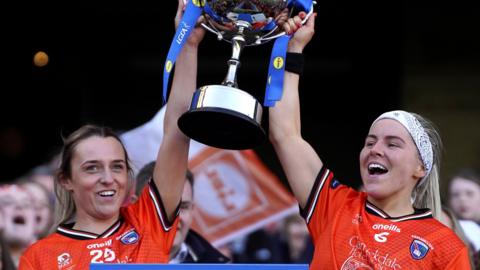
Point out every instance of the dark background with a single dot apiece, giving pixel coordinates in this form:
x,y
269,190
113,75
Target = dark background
x,y
106,64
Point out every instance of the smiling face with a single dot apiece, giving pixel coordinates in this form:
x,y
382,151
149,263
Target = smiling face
x,y
390,165
98,180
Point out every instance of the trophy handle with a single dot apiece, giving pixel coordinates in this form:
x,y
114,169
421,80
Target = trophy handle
x,y
212,30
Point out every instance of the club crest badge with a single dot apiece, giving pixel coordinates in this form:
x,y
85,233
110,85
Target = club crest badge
x,y
418,249
130,238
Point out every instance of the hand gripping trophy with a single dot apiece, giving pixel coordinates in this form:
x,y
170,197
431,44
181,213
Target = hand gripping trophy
x,y
222,115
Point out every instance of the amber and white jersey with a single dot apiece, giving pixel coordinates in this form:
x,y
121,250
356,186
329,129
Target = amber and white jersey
x,y
351,233
141,235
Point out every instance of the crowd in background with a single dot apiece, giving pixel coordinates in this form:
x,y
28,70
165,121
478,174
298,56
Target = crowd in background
x,y
27,211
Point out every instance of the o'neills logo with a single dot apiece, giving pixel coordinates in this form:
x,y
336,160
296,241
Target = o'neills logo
x,y
386,227
100,245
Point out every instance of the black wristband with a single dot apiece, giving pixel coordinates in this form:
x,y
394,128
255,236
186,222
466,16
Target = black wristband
x,y
294,63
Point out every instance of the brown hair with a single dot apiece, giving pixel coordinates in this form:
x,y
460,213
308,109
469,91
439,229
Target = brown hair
x,y
65,206
467,174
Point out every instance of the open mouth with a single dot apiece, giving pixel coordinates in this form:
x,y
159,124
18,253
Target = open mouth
x,y
19,220
376,169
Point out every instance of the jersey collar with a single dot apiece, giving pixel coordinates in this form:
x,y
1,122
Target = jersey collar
x,y
67,230
418,213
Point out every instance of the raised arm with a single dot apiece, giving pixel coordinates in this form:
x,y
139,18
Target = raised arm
x,y
299,160
171,166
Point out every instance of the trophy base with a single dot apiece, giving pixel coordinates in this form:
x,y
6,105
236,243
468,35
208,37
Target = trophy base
x,y
223,117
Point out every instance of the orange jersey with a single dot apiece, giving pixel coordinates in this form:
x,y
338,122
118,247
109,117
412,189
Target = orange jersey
x,y
141,235
351,233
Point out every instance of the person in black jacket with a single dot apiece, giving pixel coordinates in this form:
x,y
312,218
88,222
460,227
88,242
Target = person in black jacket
x,y
188,246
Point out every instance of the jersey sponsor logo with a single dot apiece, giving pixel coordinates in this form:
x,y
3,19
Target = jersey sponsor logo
x,y
381,237
354,264
198,3
278,62
374,257
169,66
386,227
130,238
100,245
334,184
64,260
418,249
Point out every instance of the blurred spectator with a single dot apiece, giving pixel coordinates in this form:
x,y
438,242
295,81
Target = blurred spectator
x,y
297,245
464,195
464,199
263,246
188,246
44,175
42,206
144,175
19,219
287,241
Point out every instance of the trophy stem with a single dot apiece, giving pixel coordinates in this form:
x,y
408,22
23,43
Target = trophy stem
x,y
238,42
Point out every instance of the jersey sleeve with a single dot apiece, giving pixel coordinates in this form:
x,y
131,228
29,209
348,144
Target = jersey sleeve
x,y
460,261
325,199
25,263
149,213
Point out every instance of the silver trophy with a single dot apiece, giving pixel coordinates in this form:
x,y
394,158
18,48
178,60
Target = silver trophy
x,y
222,115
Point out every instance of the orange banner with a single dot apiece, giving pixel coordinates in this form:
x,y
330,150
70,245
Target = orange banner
x,y
235,194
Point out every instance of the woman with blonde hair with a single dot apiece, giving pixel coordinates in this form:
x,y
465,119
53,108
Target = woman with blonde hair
x,y
389,226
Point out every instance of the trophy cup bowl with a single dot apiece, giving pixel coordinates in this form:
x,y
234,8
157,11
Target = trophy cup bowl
x,y
224,116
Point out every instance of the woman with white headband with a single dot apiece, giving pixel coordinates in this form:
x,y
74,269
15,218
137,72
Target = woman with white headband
x,y
389,226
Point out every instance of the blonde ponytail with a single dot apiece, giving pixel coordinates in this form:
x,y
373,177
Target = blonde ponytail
x,y
427,193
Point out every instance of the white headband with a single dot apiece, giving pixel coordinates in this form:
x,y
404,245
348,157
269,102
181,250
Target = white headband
x,y
419,136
